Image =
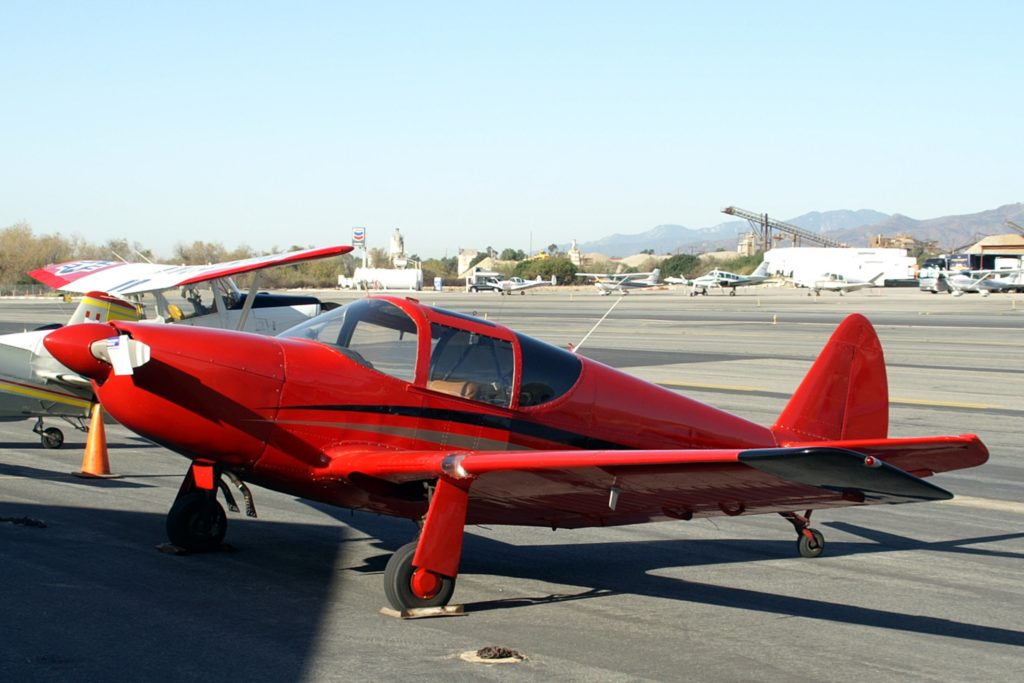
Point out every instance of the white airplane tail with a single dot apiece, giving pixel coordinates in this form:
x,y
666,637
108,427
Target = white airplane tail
x,y
654,277
762,270
98,307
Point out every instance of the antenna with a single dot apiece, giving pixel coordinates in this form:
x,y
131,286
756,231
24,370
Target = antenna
x,y
576,348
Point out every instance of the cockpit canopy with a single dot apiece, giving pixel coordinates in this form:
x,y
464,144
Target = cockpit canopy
x,y
446,352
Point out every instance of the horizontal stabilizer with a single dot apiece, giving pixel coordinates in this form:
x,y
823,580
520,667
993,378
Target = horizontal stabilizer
x,y
855,476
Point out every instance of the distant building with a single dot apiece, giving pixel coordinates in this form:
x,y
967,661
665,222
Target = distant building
x,y
998,252
900,241
747,245
806,263
396,247
465,257
576,256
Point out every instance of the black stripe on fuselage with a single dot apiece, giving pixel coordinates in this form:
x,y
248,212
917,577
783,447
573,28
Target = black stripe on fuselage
x,y
508,424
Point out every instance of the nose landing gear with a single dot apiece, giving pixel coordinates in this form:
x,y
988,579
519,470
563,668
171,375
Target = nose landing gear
x,y
197,522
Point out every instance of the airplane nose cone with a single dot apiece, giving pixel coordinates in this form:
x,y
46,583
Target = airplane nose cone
x,y
71,347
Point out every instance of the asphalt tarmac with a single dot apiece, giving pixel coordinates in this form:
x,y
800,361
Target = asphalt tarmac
x,y
912,592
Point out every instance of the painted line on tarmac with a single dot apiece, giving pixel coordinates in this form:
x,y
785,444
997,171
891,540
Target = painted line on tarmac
x,y
996,504
763,391
947,404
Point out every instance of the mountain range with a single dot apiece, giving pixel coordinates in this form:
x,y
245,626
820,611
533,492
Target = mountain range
x,y
851,227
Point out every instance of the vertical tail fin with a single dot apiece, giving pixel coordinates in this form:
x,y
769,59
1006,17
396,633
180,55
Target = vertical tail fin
x,y
845,395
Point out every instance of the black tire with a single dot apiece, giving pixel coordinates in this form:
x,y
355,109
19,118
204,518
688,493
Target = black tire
x,y
52,437
196,522
807,548
398,582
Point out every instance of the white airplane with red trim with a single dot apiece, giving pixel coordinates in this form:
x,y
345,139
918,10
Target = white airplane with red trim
x,y
34,385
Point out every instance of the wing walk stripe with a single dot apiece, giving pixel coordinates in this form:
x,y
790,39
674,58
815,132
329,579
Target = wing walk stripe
x,y
44,394
511,425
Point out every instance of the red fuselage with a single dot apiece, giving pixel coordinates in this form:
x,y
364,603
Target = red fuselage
x,y
273,409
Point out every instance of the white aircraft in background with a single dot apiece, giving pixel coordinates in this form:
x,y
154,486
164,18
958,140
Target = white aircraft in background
x,y
621,283
208,296
512,285
34,385
726,280
983,282
837,282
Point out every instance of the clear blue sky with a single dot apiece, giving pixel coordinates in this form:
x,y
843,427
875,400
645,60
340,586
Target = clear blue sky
x,y
475,124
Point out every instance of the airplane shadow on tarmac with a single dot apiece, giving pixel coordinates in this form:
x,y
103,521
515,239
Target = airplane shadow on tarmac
x,y
88,597
88,594
626,568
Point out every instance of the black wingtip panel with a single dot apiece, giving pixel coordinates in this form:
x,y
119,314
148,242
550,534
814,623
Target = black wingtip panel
x,y
846,472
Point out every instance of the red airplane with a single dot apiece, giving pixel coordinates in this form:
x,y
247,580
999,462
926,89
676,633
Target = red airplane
x,y
389,405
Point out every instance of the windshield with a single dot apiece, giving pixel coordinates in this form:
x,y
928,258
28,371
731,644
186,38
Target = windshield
x,y
374,333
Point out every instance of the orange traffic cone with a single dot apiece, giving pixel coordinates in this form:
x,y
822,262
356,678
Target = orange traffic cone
x,y
95,463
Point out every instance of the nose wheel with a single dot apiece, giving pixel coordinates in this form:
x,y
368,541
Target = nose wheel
x,y
409,587
51,437
197,522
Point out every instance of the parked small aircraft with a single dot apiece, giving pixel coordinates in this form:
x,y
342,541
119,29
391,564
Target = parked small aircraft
x,y
837,282
726,280
34,385
982,282
622,282
219,303
391,406
512,285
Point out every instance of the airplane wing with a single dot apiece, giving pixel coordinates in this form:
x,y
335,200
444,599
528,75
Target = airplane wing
x,y
116,277
530,284
581,488
616,277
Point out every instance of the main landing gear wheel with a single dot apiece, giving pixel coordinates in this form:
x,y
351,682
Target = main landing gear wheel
x,y
196,522
811,546
52,437
407,587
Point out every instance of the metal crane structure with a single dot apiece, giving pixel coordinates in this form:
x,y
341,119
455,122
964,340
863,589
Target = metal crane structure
x,y
762,226
1014,226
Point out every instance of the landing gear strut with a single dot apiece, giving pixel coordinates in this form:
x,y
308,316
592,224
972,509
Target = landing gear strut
x,y
810,542
422,573
197,522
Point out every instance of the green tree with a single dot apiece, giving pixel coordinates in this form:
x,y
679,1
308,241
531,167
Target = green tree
x,y
685,265
561,268
510,254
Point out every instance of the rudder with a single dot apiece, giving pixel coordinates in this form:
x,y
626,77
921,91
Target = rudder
x,y
845,395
